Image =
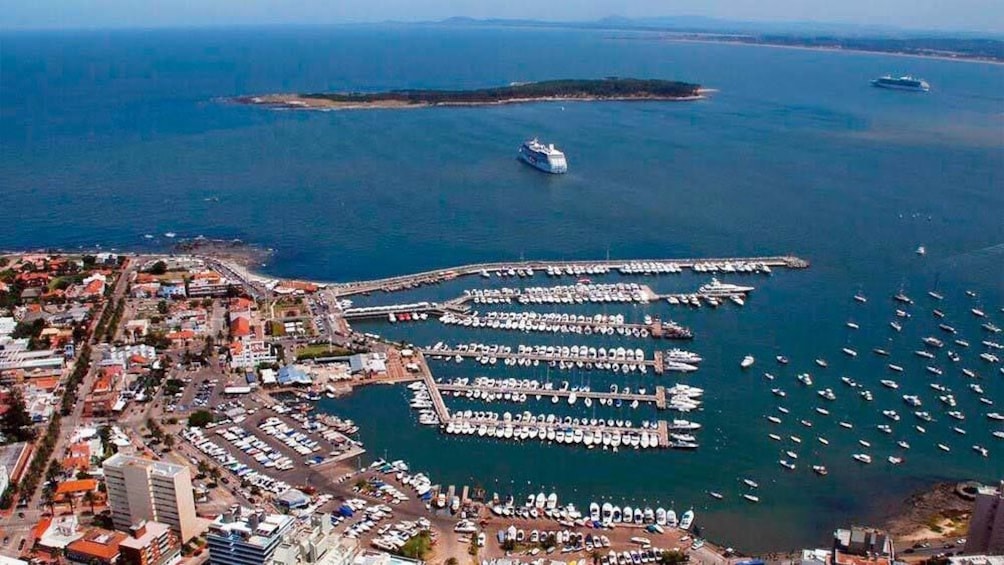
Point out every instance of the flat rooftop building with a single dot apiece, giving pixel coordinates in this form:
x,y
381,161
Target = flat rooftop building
x,y
986,527
242,536
142,489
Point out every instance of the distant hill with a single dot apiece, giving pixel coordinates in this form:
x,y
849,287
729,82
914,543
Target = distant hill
x,y
881,39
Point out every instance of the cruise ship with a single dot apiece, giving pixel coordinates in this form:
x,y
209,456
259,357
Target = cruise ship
x,y
544,157
902,83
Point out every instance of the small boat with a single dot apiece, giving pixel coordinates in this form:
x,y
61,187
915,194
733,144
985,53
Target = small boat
x,y
896,326
860,298
943,447
782,359
751,498
687,519
935,295
881,352
747,362
853,326
849,352
895,460
820,470
822,363
921,251
847,425
978,313
862,457
787,465
716,495
751,483
823,440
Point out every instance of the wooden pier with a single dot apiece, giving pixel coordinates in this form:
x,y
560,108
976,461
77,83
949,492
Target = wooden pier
x,y
659,398
656,364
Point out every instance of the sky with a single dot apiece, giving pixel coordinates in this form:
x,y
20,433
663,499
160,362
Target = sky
x,y
942,15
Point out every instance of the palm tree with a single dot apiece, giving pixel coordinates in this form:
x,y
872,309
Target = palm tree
x,y
48,499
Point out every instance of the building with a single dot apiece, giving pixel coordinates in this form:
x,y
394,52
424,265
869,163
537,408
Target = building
x,y
368,363
96,547
54,534
142,489
860,545
208,283
150,543
986,527
967,560
14,460
248,354
316,545
242,536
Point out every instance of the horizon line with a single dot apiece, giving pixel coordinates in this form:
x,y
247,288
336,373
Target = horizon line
x,y
626,24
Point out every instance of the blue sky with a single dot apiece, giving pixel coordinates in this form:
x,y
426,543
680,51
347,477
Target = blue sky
x,y
975,15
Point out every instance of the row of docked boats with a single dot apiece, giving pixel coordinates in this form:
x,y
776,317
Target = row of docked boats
x,y
548,323
616,359
609,514
561,432
696,300
584,292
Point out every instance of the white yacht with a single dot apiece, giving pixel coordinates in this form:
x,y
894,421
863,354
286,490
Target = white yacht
x,y
718,288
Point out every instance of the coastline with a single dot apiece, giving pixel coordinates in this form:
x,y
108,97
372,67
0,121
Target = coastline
x,y
302,102
823,49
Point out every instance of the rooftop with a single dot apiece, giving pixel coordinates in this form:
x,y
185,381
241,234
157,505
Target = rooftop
x,y
119,461
154,530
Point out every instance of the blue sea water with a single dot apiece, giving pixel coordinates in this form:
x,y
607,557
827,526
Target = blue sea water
x,y
107,136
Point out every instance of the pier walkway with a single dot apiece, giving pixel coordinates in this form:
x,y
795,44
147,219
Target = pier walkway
x,y
659,398
404,282
656,364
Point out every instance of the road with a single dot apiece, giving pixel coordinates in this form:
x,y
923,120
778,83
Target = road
x,y
14,526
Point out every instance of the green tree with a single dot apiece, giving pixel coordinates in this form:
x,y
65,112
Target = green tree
x,y
158,268
15,423
162,307
200,418
49,498
90,499
673,557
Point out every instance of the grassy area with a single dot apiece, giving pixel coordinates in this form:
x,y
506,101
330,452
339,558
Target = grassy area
x,y
320,350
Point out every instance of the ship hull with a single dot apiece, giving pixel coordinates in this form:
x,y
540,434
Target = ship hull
x,y
900,87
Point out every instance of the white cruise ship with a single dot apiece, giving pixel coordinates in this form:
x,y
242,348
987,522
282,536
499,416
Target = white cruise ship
x,y
544,157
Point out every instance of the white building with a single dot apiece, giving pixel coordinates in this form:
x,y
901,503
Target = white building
x,y
143,489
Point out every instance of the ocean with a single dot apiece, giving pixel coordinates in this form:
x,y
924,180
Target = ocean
x,y
108,136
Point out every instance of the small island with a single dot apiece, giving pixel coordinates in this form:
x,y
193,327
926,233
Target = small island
x,y
608,89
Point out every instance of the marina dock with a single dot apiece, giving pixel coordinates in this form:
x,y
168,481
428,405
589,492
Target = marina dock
x,y
404,282
658,399
656,364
